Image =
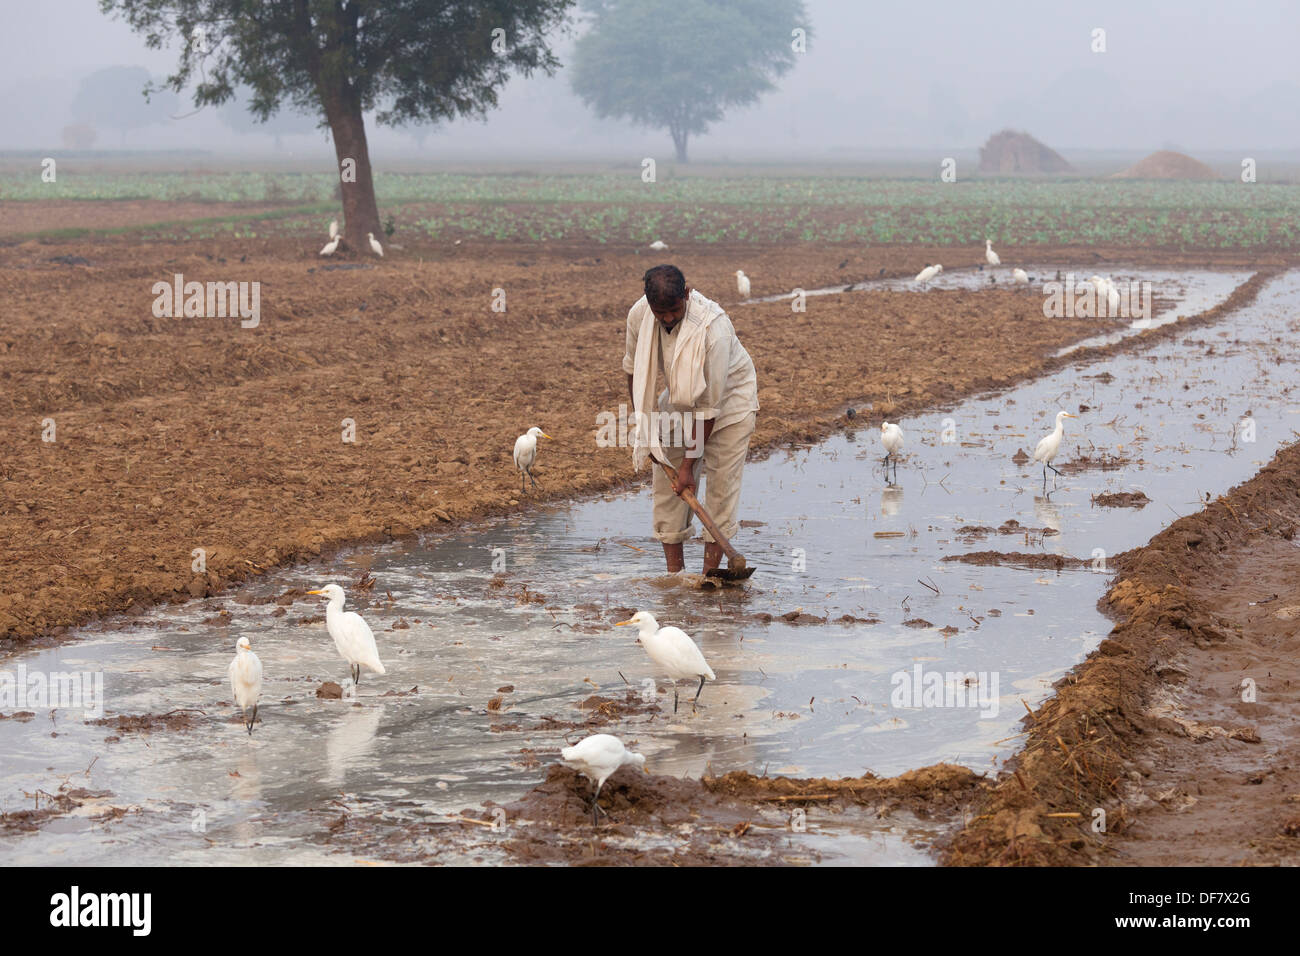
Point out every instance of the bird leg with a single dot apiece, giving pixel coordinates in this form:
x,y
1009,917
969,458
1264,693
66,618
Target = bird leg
x,y
531,478
523,486
356,675
595,808
674,697
695,705
252,720
1053,467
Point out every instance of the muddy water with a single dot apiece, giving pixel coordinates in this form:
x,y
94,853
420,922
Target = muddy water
x,y
837,537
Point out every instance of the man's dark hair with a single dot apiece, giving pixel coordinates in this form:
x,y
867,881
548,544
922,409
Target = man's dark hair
x,y
665,286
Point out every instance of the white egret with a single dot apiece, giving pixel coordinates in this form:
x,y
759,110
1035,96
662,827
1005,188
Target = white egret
x,y
375,247
1108,292
658,246
352,635
891,436
929,272
1112,298
993,258
331,246
1050,444
246,681
742,283
673,650
334,228
596,758
526,454
1020,276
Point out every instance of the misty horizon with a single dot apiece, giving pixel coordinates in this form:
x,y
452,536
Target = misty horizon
x,y
1197,77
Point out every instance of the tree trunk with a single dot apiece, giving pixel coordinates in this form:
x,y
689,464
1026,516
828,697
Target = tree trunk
x,y
679,143
360,211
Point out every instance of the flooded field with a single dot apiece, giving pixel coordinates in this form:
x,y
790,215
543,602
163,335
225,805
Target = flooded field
x,y
497,637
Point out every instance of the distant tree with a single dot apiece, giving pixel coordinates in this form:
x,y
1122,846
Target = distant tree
x,y
115,98
79,136
237,114
680,64
414,60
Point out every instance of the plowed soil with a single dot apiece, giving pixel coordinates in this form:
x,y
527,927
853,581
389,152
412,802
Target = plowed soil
x,y
175,434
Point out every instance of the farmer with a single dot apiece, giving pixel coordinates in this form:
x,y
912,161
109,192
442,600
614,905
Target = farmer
x,y
706,412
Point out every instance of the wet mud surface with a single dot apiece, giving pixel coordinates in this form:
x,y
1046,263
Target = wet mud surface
x,y
647,820
172,435
576,570
1180,733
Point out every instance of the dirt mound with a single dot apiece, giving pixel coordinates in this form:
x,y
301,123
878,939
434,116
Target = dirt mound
x,y
1121,499
1018,559
1167,164
736,818
1011,152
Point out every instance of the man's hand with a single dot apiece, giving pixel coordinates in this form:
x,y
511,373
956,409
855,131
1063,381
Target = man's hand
x,y
685,477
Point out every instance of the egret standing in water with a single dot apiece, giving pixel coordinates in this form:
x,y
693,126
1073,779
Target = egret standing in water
x,y
929,272
673,650
596,758
990,256
352,635
526,454
1020,276
246,681
891,436
1050,444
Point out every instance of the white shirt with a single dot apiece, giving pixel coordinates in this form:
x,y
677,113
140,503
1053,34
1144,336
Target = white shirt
x,y
731,384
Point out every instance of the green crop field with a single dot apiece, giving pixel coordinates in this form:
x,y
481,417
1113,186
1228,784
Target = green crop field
x,y
619,207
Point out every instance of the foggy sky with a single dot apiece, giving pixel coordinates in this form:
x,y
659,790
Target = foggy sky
x,y
1193,74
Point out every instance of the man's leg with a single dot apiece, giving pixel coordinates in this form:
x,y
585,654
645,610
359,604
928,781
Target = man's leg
x,y
674,557
724,466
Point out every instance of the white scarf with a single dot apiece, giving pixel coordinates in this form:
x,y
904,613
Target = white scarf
x,y
685,374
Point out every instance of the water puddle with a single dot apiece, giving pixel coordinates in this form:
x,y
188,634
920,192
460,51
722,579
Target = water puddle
x,y
1187,292
486,677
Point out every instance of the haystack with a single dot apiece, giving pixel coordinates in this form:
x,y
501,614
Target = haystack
x,y
1011,152
1167,164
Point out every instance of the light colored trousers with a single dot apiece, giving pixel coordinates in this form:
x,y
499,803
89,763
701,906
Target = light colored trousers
x,y
724,466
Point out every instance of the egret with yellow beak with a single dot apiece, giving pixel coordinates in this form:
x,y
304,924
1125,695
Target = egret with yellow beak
x,y
673,650
352,635
1051,444
526,454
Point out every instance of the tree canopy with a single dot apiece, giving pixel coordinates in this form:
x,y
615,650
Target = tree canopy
x,y
681,64
410,60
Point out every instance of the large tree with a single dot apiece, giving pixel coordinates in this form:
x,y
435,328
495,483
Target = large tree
x,y
680,64
412,60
